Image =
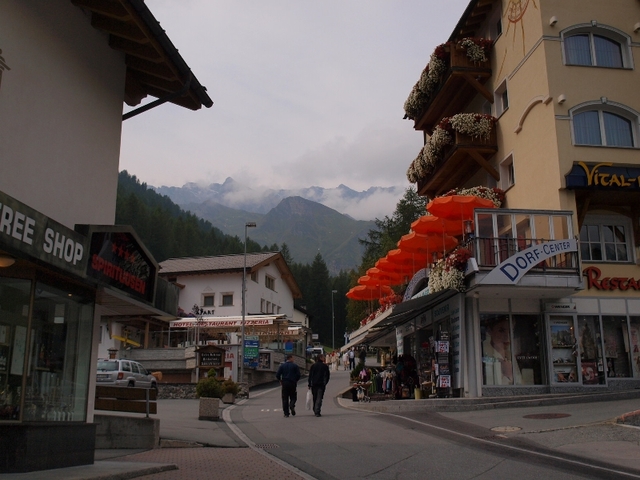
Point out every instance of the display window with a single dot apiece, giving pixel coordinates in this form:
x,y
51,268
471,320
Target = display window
x,y
590,346
634,324
564,349
616,346
45,351
511,352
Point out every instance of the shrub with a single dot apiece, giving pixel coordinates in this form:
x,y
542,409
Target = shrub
x,y
209,388
229,386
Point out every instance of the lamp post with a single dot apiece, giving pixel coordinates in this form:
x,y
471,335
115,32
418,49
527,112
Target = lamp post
x,y
244,308
333,322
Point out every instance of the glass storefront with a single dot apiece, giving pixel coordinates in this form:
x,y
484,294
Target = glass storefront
x,y
45,351
616,346
510,349
590,344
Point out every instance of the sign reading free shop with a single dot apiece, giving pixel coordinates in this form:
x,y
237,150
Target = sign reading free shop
x,y
27,232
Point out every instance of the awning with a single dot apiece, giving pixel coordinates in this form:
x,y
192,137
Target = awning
x,y
231,321
404,312
358,336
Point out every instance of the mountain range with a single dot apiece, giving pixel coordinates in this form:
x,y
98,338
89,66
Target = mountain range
x,y
298,218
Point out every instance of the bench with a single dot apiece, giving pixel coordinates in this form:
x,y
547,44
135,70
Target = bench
x,y
126,399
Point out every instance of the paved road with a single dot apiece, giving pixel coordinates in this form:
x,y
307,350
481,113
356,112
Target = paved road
x,y
400,441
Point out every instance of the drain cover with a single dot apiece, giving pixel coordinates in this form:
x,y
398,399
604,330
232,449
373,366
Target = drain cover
x,y
265,446
547,416
505,429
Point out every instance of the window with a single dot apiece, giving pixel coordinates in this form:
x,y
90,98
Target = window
x,y
262,305
254,276
600,126
507,173
227,299
207,301
596,46
605,240
501,99
270,282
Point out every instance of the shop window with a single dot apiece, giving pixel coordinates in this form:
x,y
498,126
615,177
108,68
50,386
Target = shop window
x,y
510,350
227,299
270,282
58,356
616,346
596,46
208,300
604,125
634,324
590,347
605,239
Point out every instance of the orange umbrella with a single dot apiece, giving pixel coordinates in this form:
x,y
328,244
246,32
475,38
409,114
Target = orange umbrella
x,y
431,224
367,292
388,266
412,261
372,281
393,277
457,207
427,244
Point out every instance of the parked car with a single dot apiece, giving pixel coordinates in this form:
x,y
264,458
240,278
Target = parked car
x,y
124,373
315,351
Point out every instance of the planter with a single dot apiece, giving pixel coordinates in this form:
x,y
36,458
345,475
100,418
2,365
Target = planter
x,y
228,398
209,408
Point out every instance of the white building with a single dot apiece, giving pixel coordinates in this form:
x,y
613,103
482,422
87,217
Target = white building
x,y
66,69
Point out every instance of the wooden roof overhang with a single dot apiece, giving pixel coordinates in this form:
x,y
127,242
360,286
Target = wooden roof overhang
x,y
153,65
459,163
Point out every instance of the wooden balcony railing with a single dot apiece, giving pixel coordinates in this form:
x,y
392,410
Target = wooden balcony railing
x,y
460,161
460,84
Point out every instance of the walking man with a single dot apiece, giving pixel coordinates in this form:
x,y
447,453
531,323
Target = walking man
x,y
352,359
318,378
288,375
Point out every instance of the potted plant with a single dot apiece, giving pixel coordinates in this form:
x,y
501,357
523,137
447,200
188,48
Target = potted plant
x,y
209,390
230,389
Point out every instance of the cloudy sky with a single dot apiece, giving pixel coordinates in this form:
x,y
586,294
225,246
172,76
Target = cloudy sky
x,y
305,93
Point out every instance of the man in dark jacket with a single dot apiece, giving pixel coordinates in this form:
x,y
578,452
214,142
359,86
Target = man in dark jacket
x,y
318,379
288,375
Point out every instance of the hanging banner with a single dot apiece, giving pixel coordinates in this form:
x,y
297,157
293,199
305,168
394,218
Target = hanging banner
x,y
514,268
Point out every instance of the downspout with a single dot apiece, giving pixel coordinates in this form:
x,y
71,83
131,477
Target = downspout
x,y
167,98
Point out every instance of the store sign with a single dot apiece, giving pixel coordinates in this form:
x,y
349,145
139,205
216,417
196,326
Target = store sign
x,y
117,259
515,267
24,230
211,359
219,322
595,281
603,176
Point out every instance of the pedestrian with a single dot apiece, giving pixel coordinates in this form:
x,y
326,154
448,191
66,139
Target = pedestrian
x,y
345,360
318,378
352,359
288,375
362,355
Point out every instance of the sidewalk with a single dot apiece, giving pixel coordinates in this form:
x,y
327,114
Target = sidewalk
x,y
585,429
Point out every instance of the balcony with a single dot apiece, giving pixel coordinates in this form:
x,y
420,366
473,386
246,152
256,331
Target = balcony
x,y
459,162
462,81
532,249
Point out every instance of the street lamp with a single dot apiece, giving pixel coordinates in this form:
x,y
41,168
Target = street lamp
x,y
333,323
244,308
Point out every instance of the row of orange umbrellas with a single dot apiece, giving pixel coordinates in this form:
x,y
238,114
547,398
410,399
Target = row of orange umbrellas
x,y
431,236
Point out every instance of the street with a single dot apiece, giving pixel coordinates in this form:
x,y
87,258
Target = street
x,y
351,444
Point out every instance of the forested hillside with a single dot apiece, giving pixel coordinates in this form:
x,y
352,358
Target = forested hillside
x,y
167,230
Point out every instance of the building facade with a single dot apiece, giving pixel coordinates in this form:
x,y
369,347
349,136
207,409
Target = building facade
x,y
65,70
211,303
537,99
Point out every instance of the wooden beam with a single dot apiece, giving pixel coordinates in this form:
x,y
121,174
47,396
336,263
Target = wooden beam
x,y
484,164
119,29
108,8
146,52
478,86
159,70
